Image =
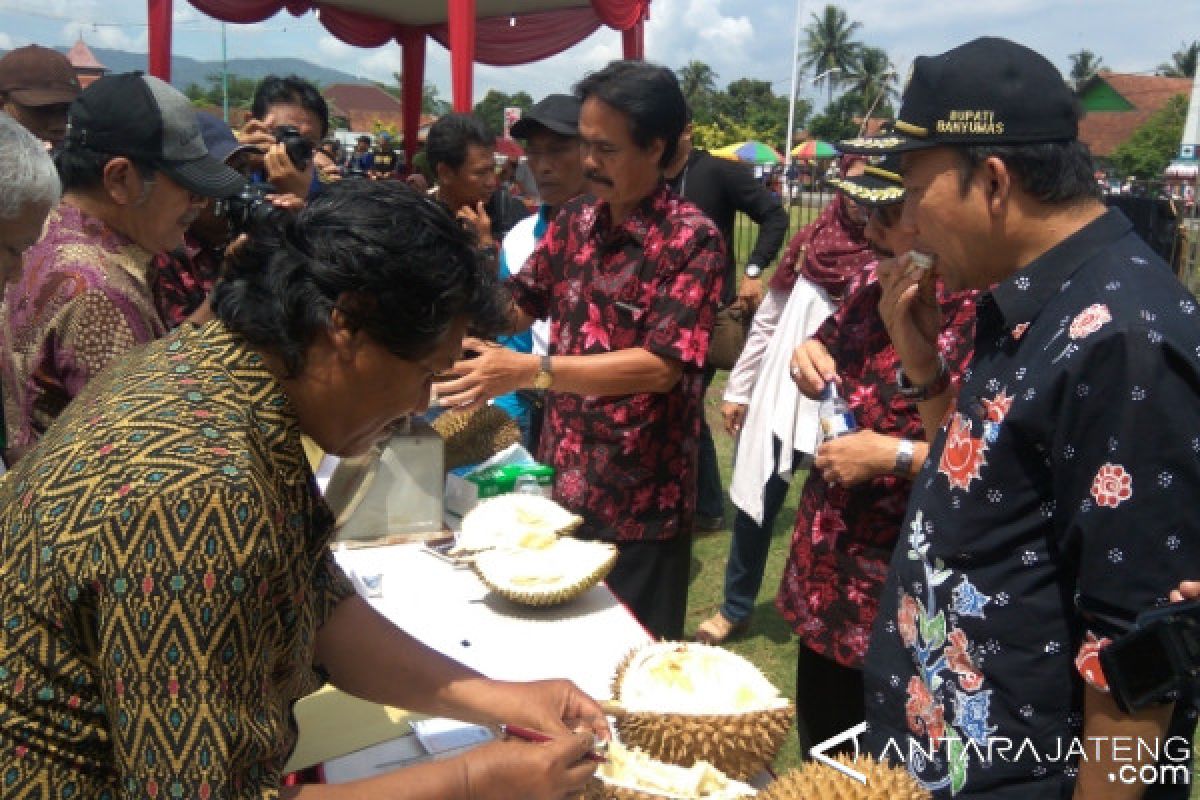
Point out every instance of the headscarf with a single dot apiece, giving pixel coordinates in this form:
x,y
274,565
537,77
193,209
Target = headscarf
x,y
834,247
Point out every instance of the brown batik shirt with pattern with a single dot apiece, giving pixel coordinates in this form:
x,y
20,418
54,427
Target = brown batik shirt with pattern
x,y
84,298
164,570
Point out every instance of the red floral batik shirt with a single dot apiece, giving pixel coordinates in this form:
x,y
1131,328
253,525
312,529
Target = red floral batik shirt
x,y
626,463
844,536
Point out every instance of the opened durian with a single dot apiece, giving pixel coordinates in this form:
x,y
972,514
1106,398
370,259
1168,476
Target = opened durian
x,y
545,576
514,520
475,436
817,781
630,774
684,702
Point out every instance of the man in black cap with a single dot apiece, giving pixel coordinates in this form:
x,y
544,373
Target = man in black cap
x,y
36,86
135,174
1058,500
551,133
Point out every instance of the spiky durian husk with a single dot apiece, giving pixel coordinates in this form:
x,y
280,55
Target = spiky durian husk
x,y
739,745
475,436
532,597
816,781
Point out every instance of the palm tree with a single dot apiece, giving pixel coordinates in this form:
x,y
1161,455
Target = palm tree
x,y
1183,62
830,45
1084,65
698,83
872,77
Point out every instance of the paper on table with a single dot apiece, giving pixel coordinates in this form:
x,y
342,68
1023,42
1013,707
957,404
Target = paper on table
x,y
440,735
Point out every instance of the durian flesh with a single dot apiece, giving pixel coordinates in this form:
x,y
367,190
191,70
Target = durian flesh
x,y
512,521
631,768
687,678
547,575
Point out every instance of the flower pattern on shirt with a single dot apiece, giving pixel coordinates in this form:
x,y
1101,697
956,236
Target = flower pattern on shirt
x,y
843,536
1112,486
626,463
1050,434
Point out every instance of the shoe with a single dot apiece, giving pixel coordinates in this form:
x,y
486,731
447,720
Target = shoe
x,y
706,524
717,628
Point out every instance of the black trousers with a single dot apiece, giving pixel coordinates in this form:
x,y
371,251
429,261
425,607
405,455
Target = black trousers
x,y
829,699
651,579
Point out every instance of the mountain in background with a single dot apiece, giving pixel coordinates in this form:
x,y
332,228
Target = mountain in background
x,y
186,70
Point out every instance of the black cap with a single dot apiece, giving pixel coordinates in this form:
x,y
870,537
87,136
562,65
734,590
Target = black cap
x,y
987,91
880,183
558,113
141,117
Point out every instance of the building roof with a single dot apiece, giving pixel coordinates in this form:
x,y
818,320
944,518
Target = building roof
x,y
82,57
1143,95
358,97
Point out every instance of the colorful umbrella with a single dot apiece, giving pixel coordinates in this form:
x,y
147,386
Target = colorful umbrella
x,y
751,152
814,148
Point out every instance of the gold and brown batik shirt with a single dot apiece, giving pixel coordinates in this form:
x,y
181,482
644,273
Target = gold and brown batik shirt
x,y
164,569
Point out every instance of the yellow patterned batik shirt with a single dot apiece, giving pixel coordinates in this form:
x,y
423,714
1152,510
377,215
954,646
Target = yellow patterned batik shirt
x,y
164,568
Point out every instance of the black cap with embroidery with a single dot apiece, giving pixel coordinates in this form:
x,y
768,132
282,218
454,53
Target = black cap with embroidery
x,y
880,183
989,91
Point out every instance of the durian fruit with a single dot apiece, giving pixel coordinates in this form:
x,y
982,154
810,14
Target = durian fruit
x,y
545,576
477,435
684,702
817,781
514,520
630,774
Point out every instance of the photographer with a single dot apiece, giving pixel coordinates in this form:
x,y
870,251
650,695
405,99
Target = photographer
x,y
185,276
135,174
288,120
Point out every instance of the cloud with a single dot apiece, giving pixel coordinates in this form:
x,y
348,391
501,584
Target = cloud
x,y
380,64
335,48
109,36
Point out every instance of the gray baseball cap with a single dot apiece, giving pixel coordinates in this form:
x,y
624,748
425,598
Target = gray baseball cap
x,y
141,117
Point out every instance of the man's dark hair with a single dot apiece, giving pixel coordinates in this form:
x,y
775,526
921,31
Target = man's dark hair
x,y
292,90
646,93
1054,173
450,136
394,262
81,169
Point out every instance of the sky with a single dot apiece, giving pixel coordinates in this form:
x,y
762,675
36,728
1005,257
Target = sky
x,y
737,38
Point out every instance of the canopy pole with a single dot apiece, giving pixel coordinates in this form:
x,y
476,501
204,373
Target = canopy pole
x,y
412,92
633,42
158,17
462,52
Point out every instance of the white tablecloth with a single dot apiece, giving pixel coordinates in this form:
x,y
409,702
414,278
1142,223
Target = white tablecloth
x,y
449,609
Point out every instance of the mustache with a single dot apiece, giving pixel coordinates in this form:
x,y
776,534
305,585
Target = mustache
x,y
596,177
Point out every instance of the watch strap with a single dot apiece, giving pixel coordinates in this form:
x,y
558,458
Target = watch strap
x,y
904,459
919,394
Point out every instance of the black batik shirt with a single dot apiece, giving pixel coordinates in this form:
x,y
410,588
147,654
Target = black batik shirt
x,y
1064,479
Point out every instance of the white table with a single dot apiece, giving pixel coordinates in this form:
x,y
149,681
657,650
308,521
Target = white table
x,y
449,609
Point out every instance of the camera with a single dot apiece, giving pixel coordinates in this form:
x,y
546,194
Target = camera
x,y
1159,657
355,172
299,149
248,209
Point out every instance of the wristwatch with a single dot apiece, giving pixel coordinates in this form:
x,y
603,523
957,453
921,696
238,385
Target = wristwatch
x,y
904,459
545,375
753,271
919,394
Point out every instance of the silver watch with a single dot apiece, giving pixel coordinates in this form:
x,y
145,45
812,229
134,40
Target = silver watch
x,y
904,459
753,271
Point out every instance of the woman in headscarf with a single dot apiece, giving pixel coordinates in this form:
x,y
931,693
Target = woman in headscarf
x,y
776,427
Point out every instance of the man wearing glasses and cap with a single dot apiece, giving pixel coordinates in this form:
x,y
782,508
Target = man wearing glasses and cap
x,y
135,174
36,86
1058,499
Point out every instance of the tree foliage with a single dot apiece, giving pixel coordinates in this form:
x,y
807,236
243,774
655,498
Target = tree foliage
x,y
1151,147
1084,65
1183,61
842,118
873,78
241,91
491,108
699,84
830,45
